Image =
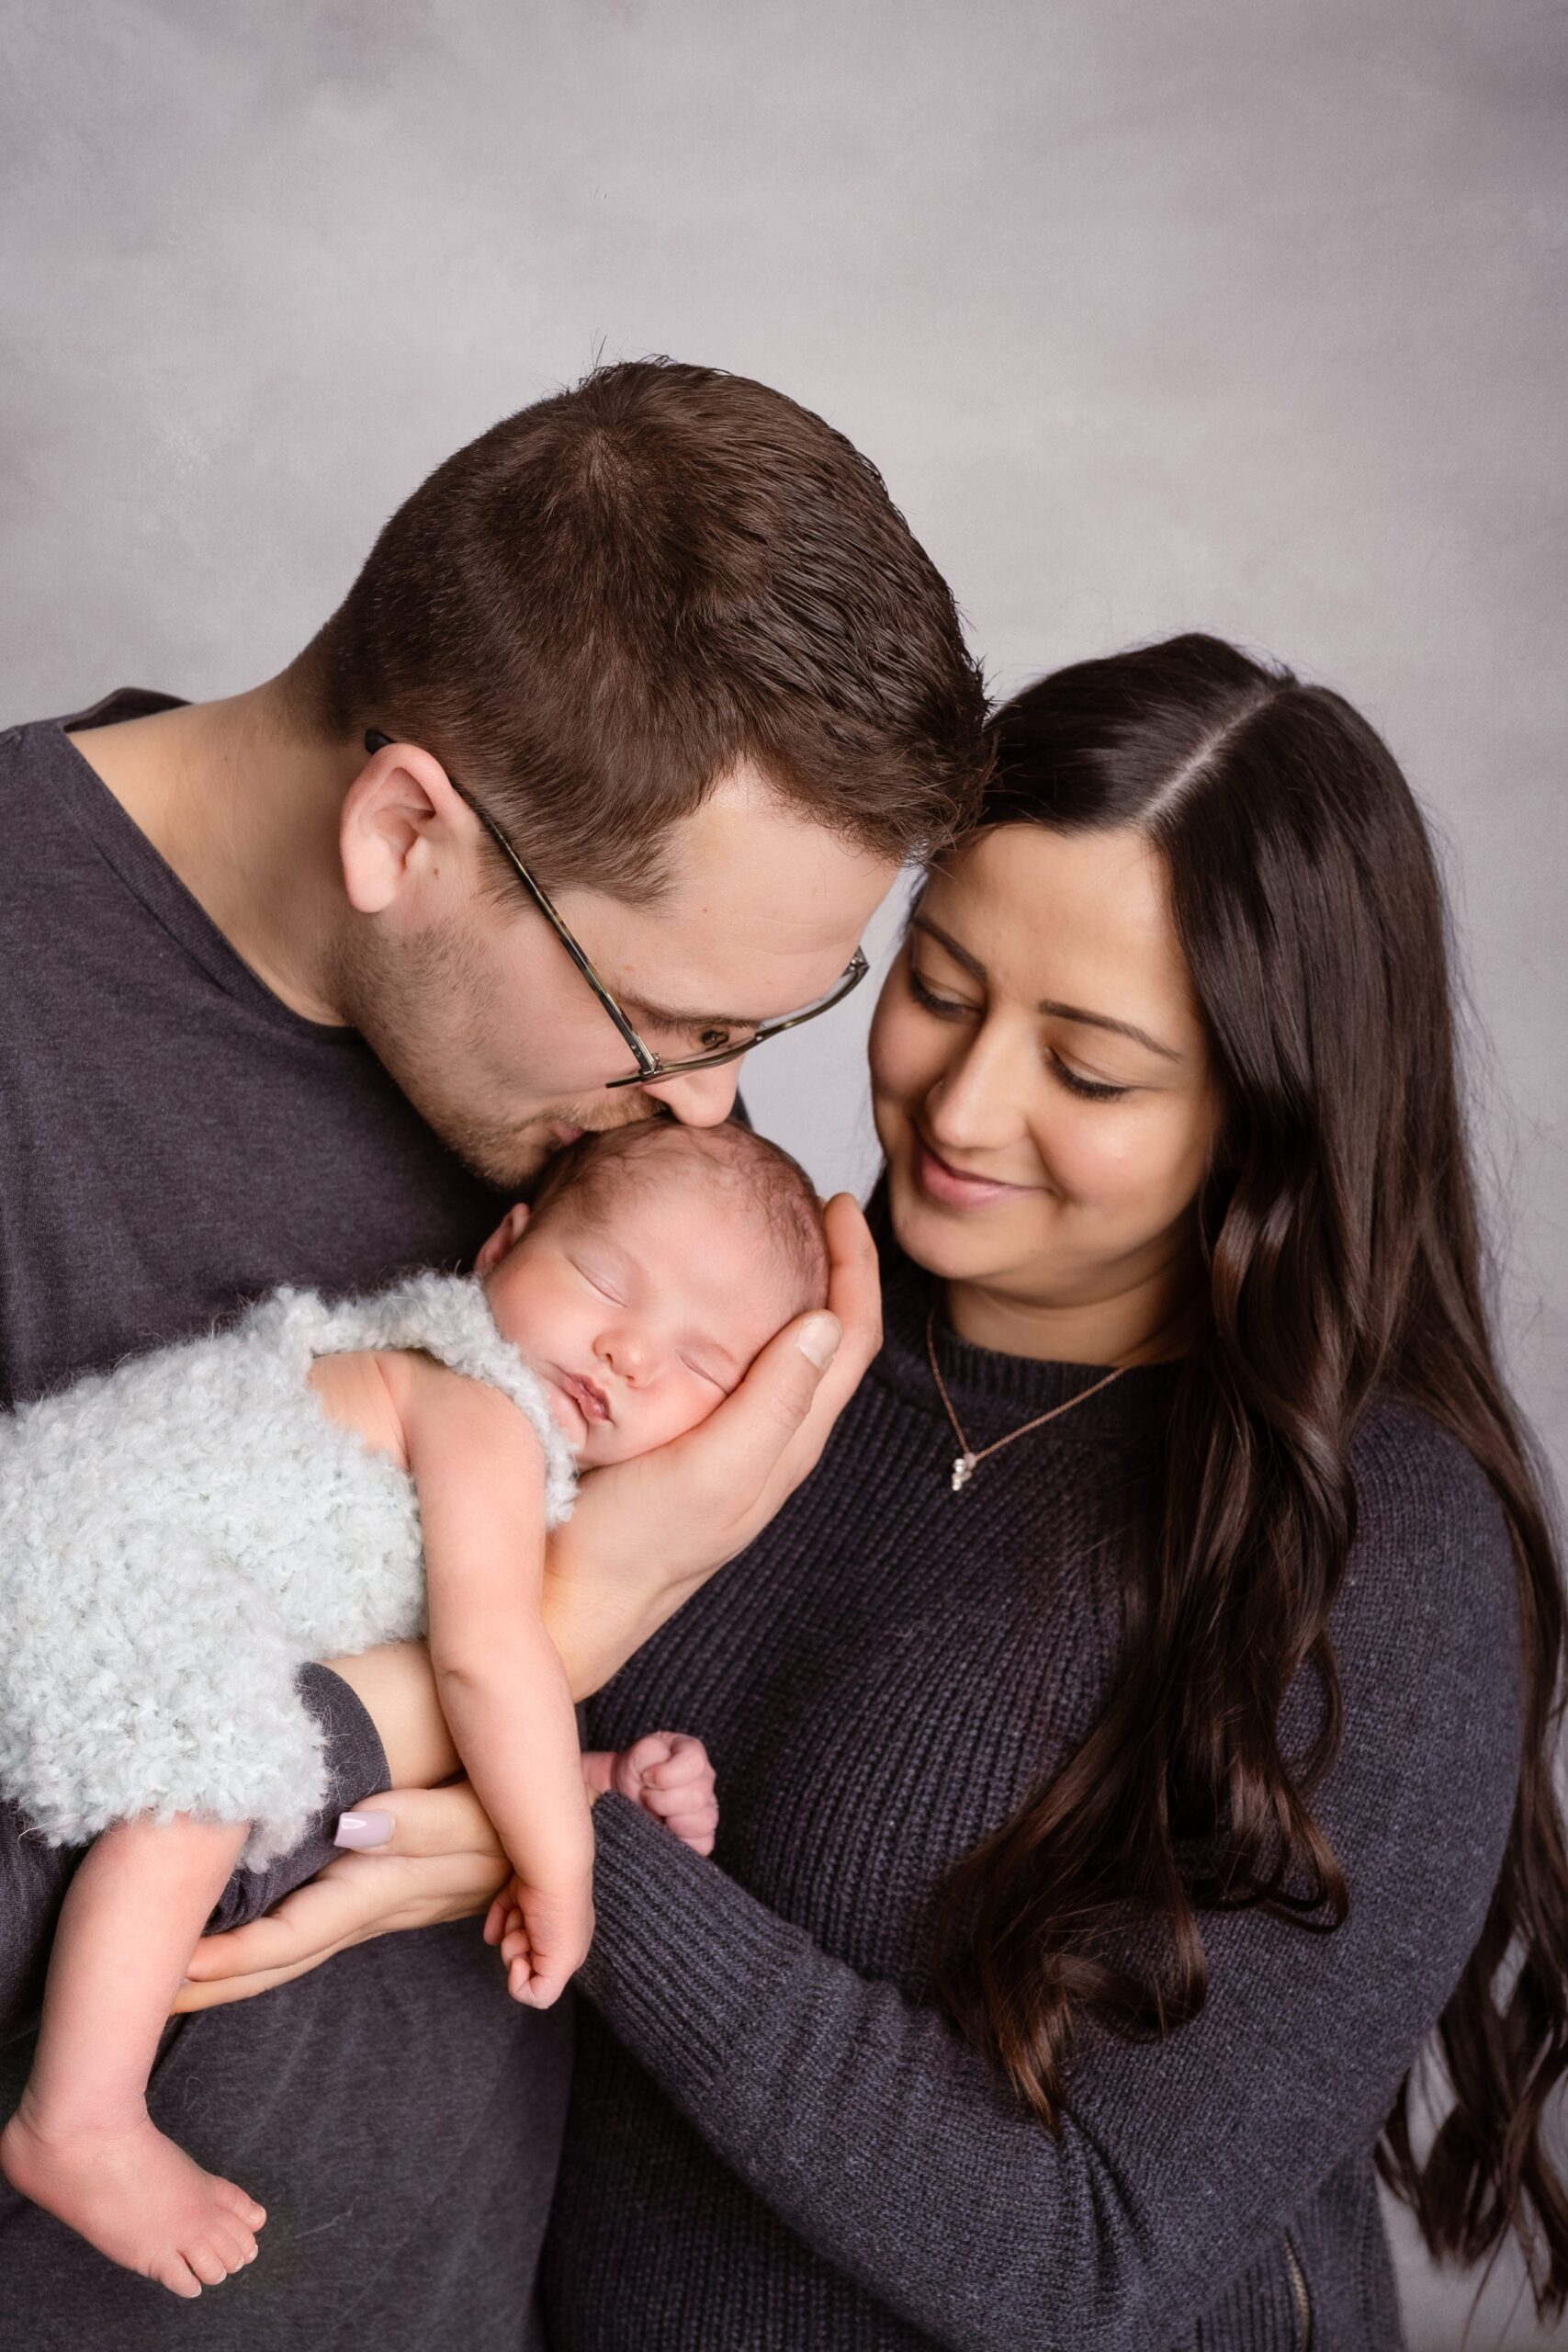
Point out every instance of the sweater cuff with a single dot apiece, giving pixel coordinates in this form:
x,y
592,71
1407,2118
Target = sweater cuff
x,y
355,1764
684,1965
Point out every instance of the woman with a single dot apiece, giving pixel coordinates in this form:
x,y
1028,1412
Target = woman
x,y
1137,1737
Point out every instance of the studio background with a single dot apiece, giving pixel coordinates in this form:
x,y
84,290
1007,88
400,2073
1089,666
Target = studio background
x,y
1221,315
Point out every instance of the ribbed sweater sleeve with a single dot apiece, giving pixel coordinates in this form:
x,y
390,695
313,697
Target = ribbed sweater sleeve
x,y
895,2151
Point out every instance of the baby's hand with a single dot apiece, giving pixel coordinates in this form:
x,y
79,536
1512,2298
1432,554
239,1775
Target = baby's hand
x,y
544,1936
668,1773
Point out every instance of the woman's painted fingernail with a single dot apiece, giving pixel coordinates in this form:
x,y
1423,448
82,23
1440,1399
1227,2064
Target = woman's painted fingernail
x,y
818,1342
362,1829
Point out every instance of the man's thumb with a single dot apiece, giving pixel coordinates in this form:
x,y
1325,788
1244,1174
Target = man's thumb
x,y
817,1339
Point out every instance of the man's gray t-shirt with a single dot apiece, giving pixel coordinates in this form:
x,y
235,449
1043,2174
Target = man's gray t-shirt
x,y
174,1141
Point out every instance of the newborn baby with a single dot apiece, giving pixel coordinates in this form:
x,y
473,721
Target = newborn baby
x,y
178,1536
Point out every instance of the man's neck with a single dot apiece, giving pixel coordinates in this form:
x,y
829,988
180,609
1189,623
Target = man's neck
x,y
244,805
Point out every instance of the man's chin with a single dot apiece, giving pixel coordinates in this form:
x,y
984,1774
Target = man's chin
x,y
512,1158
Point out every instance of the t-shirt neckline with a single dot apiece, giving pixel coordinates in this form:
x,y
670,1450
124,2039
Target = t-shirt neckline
x,y
148,875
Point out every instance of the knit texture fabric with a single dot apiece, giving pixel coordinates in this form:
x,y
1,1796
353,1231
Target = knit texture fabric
x,y
776,2139
179,1537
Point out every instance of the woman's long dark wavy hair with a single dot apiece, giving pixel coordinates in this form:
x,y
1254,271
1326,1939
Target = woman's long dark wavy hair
x,y
1343,1252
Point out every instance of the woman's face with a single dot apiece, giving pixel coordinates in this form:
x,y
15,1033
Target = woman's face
x,y
1040,1076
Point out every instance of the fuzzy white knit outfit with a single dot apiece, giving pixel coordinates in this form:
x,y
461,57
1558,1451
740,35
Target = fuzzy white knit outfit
x,y
180,1535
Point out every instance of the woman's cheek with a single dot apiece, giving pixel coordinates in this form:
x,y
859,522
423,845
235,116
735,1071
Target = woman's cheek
x,y
905,1055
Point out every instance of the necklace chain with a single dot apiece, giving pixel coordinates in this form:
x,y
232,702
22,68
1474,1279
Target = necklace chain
x,y
964,1465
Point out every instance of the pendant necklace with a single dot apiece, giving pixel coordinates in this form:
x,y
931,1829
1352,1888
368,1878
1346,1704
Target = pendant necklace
x,y
964,1463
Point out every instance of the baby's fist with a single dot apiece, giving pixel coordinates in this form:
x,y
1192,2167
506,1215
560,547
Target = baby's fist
x,y
669,1774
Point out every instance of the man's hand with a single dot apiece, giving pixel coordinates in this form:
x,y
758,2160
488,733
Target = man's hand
x,y
646,1533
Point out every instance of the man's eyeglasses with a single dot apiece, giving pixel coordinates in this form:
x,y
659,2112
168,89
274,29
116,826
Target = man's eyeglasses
x,y
650,1065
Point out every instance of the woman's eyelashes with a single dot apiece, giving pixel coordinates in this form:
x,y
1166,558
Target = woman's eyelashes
x,y
1093,1089
950,1008
946,1008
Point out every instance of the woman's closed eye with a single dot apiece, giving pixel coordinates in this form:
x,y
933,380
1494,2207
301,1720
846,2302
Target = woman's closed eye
x,y
953,1008
1092,1089
946,1008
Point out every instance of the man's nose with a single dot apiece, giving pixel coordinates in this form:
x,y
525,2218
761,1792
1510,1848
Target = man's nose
x,y
702,1098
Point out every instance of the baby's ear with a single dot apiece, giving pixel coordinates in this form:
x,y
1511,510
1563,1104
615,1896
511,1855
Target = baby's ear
x,y
507,1234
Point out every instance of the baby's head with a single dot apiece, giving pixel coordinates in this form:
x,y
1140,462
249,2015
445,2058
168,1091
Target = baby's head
x,y
655,1264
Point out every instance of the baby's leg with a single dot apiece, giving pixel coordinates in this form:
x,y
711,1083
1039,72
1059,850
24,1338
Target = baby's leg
x,y
81,2143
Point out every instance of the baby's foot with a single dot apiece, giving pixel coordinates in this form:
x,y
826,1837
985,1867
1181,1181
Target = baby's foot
x,y
130,2192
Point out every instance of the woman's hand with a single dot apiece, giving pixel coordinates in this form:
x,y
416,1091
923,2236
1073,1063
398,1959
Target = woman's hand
x,y
442,1861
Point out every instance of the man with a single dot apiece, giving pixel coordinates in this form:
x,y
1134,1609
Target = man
x,y
596,775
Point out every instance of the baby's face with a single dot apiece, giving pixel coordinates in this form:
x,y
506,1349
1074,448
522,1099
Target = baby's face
x,y
641,1319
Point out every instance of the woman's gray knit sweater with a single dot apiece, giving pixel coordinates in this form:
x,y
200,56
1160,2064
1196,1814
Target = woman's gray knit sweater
x,y
776,2141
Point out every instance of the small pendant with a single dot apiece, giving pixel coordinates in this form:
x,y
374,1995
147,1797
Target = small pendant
x,y
963,1471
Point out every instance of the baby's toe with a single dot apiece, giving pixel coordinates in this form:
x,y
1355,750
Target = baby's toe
x,y
172,2270
207,2262
244,2208
233,2241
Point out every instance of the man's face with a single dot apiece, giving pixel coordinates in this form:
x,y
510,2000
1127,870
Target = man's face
x,y
470,1001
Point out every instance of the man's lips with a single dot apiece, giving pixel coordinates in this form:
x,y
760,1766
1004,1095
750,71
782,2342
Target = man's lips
x,y
586,1395
951,1189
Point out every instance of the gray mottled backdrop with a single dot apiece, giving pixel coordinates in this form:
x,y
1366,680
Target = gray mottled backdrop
x,y
1245,314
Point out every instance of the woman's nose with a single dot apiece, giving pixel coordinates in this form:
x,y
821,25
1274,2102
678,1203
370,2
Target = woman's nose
x,y
977,1103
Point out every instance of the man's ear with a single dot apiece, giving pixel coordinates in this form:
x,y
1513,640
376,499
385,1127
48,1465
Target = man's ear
x,y
507,1234
399,804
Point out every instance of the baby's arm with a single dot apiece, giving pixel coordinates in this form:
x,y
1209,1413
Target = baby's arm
x,y
480,1474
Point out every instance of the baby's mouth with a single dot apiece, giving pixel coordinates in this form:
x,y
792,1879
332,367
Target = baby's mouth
x,y
586,1395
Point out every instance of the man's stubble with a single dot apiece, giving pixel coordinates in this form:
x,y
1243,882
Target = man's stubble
x,y
421,1010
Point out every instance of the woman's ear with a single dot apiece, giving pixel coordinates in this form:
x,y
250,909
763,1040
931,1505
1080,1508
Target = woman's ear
x,y
507,1234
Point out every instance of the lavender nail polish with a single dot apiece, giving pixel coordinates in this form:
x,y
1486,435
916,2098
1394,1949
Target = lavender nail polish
x,y
360,1830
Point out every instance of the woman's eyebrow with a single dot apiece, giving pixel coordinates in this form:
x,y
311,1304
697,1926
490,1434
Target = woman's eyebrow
x,y
944,939
1103,1021
1047,1004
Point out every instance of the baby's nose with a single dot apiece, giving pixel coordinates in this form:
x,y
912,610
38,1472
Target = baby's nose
x,y
628,1354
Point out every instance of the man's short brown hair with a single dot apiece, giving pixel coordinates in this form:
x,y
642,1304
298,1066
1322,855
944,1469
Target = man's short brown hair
x,y
597,609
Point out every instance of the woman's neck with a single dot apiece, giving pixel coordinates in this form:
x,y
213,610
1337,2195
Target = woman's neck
x,y
1151,1321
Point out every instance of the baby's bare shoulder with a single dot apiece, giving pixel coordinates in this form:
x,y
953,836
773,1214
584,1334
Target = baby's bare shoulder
x,y
443,1412
359,1390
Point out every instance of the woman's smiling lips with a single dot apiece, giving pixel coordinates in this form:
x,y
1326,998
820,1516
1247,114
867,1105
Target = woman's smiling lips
x,y
950,1188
